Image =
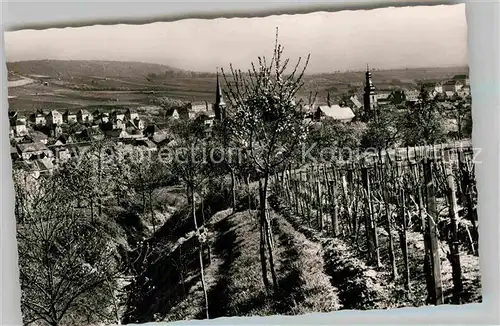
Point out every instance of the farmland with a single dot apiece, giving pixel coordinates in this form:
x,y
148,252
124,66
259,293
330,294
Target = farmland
x,y
78,84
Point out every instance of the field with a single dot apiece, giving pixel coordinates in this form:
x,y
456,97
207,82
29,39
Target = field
x,y
72,85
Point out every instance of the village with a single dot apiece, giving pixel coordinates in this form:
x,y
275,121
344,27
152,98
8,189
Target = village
x,y
43,139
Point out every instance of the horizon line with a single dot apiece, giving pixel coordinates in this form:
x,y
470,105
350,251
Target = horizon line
x,y
334,71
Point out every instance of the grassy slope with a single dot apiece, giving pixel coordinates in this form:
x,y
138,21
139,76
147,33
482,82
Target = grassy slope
x,y
233,276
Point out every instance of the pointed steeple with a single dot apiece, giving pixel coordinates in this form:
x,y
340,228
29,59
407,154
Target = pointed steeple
x,y
219,104
219,100
369,87
370,99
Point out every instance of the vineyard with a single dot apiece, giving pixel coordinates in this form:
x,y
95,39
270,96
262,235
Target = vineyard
x,y
410,217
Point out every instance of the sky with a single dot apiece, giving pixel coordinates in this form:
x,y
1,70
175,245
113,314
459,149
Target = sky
x,y
385,38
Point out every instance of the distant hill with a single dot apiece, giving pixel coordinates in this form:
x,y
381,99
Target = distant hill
x,y
78,83
76,68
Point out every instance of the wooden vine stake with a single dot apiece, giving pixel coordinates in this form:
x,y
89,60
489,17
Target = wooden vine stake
x,y
454,256
436,294
371,226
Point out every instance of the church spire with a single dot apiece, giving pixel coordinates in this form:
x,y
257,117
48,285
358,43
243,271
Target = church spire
x,y
219,104
219,100
369,87
370,99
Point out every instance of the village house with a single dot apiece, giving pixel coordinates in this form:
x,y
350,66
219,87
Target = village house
x,y
151,130
13,115
60,147
176,113
90,134
104,117
356,102
115,133
412,95
452,86
37,136
84,116
35,168
38,118
139,123
154,133
62,140
463,79
464,92
116,115
336,112
96,114
19,128
35,150
133,130
70,117
206,117
100,118
383,98
438,87
54,118
131,114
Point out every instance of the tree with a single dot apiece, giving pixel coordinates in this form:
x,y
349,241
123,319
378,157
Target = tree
x,y
463,116
422,123
268,124
332,139
190,164
68,263
383,132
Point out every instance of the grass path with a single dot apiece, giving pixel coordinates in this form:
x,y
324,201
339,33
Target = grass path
x,y
192,307
304,287
234,278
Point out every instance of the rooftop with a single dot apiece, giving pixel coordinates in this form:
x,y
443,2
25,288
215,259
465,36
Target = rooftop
x,y
31,147
337,112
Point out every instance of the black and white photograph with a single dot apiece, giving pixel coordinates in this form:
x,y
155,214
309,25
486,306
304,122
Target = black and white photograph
x,y
249,166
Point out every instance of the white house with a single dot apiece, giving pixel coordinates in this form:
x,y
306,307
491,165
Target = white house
x,y
105,117
412,95
20,128
54,118
464,92
115,115
355,101
38,118
175,114
139,123
70,117
452,86
84,116
438,88
29,151
335,112
131,114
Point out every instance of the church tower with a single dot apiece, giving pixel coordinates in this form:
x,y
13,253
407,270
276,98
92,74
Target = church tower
x,y
219,105
370,98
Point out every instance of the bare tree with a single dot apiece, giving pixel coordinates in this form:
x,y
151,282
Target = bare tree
x,y
67,261
268,123
189,162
